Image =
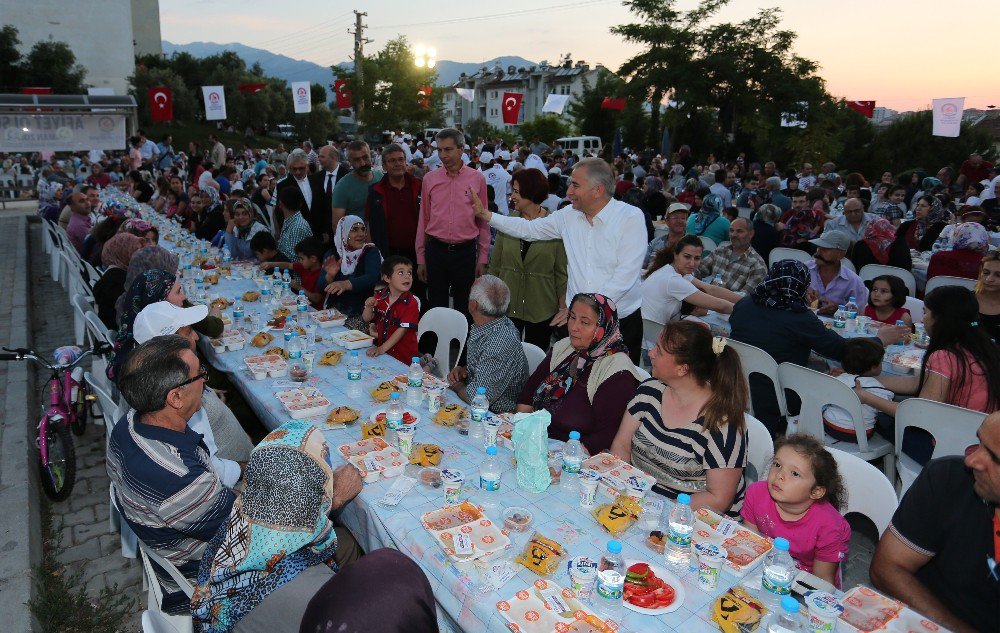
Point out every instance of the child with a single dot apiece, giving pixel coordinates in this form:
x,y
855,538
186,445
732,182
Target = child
x,y
171,206
395,312
264,248
886,300
862,360
800,501
306,271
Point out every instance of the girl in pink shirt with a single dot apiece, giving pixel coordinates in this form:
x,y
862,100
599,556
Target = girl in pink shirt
x,y
799,501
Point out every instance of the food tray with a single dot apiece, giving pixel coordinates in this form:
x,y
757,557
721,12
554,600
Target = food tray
x,y
387,462
363,447
267,366
867,610
329,318
745,549
230,341
352,339
905,362
303,403
616,474
447,523
530,610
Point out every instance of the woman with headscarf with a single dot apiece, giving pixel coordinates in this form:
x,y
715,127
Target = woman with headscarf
x,y
147,288
878,245
210,219
969,241
279,565
776,318
654,203
587,379
708,221
352,274
241,226
929,218
115,255
143,229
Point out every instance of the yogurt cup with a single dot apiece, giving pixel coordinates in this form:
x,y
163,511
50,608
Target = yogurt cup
x,y
711,558
453,480
589,479
491,426
435,398
582,574
404,439
822,611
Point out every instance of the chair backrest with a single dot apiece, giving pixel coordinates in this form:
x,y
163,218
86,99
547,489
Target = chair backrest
x,y
82,304
449,325
109,408
916,308
643,374
868,490
534,354
756,361
945,280
849,265
97,328
651,330
708,243
817,390
779,253
157,622
760,446
871,271
954,428
148,558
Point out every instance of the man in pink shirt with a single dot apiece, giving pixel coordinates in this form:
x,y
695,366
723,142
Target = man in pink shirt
x,y
452,245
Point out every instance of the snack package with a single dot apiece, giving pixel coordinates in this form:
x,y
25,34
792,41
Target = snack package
x,y
541,555
372,429
531,439
618,516
331,357
426,455
736,611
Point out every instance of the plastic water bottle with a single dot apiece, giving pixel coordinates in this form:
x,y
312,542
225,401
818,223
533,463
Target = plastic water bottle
x,y
784,620
226,255
414,383
902,341
480,409
276,275
571,461
286,281
237,309
489,471
302,302
779,571
717,281
607,597
288,331
840,318
680,524
354,374
851,312
937,246
265,286
394,412
294,347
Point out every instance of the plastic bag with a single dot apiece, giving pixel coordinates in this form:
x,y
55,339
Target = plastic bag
x,y
541,555
531,442
619,516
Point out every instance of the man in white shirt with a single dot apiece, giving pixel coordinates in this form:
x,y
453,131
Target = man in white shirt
x,y
433,161
498,178
605,242
148,150
723,181
298,168
807,178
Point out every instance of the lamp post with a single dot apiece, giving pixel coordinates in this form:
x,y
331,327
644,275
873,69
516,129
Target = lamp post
x,y
424,56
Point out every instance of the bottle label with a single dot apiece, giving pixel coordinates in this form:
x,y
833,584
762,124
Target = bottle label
x,y
490,484
477,415
393,423
774,586
294,354
571,465
415,383
354,374
303,307
852,315
610,585
237,314
682,539
839,323
288,336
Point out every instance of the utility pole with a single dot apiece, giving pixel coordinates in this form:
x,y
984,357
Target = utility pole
x,y
359,53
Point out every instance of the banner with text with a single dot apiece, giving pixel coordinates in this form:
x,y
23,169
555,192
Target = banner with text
x,y
215,103
301,97
948,116
61,132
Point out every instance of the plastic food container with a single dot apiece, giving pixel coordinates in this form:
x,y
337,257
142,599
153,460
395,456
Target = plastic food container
x,y
266,366
430,477
329,318
303,403
352,339
230,341
517,519
823,610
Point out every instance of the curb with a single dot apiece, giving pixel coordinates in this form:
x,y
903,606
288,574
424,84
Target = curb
x,y
20,522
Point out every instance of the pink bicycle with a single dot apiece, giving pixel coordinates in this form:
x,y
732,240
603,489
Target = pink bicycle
x,y
68,402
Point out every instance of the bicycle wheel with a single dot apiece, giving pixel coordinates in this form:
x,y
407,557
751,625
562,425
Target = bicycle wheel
x,y
79,422
59,473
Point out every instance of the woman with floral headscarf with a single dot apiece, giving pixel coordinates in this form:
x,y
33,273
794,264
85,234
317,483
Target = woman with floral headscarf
x,y
878,245
116,255
929,219
708,221
210,219
587,378
969,242
351,275
148,288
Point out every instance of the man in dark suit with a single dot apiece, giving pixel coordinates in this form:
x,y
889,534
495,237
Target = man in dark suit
x,y
322,183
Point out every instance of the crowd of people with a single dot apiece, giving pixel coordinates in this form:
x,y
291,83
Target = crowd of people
x,y
535,244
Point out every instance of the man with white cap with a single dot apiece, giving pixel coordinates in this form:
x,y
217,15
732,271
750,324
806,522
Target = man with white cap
x,y
497,177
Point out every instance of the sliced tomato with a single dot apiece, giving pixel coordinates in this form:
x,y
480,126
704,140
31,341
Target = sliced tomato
x,y
664,596
647,601
636,589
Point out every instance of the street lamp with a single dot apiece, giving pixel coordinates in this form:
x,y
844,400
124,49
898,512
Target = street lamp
x,y
424,57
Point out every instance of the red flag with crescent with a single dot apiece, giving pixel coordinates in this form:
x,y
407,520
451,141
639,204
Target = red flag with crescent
x,y
161,103
425,96
344,94
610,103
866,108
511,107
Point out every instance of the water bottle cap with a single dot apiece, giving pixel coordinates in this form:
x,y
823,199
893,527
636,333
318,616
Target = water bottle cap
x,y
790,604
415,359
851,298
302,292
481,390
355,353
684,499
394,396
491,450
615,547
574,435
781,543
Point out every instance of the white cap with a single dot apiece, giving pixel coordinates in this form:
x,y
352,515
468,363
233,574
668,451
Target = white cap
x,y
407,137
503,155
555,170
236,186
485,157
163,318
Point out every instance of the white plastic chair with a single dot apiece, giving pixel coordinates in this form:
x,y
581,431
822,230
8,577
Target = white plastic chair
x,y
449,325
154,595
817,390
81,306
534,354
650,332
849,265
156,622
954,430
871,271
756,361
97,328
916,308
760,448
779,253
868,491
109,407
643,374
708,244
945,280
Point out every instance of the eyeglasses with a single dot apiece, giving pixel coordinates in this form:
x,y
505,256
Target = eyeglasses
x,y
201,375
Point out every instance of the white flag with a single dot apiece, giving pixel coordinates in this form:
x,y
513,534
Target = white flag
x,y
948,116
466,93
301,97
555,103
215,103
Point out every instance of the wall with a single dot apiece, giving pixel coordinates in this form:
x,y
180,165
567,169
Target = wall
x,y
146,27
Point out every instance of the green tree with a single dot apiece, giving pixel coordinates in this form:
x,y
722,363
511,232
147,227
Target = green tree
x,y
480,128
317,125
547,127
585,109
908,143
10,60
53,64
184,101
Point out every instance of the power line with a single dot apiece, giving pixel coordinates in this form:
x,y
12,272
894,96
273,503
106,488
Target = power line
x,y
575,5
315,27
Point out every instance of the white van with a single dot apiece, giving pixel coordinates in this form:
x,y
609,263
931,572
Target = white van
x,y
582,146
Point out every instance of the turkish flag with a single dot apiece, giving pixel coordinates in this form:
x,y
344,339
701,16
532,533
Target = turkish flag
x,y
249,89
343,94
425,96
610,103
161,103
511,107
36,91
866,108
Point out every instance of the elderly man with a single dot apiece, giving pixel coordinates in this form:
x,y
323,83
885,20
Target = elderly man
x,y
677,217
311,156
807,178
944,532
605,242
831,282
774,195
452,245
351,193
853,222
738,263
495,359
97,177
973,169
298,177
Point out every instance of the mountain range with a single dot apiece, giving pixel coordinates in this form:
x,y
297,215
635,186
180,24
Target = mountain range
x,y
289,69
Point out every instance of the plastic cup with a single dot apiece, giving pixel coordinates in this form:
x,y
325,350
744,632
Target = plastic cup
x,y
582,574
652,509
861,324
711,558
435,398
404,439
491,426
453,480
308,359
823,611
589,479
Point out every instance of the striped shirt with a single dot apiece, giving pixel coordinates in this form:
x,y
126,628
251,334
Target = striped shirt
x,y
680,458
496,361
294,230
167,491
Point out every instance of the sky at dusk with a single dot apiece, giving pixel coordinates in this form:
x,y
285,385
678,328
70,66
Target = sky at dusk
x,y
901,53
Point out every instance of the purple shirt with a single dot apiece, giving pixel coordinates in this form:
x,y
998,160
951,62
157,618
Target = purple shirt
x,y
845,285
446,212
77,229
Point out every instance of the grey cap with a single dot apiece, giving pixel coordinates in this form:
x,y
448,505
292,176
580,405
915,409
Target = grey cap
x,y
833,239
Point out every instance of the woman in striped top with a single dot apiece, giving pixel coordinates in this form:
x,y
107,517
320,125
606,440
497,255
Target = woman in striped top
x,y
685,425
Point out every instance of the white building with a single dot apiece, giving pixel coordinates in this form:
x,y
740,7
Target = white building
x,y
105,35
535,83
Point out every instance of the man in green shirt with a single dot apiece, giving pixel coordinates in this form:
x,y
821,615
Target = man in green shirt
x,y
351,192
